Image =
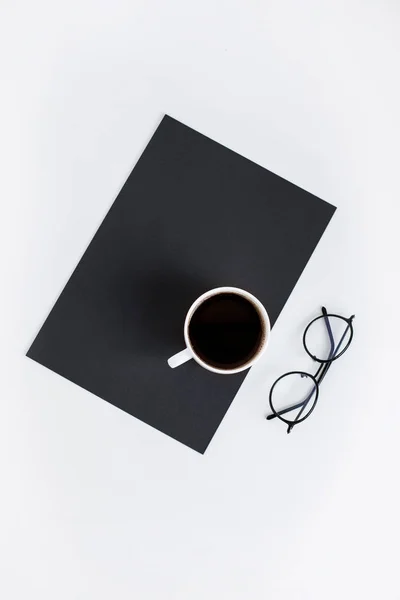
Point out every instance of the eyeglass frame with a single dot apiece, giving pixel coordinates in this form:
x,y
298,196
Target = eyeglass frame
x,y
322,370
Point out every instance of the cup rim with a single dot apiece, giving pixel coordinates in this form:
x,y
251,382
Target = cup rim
x,y
227,290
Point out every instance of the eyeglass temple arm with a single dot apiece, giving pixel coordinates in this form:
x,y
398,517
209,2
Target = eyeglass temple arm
x,y
333,350
286,410
323,368
331,353
328,326
304,403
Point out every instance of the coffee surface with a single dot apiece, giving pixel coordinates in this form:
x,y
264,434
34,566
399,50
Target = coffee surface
x,y
226,330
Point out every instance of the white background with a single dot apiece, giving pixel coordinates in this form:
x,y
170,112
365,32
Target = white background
x,y
93,503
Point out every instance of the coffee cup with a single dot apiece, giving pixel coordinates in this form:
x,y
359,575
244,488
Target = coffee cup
x,y
226,331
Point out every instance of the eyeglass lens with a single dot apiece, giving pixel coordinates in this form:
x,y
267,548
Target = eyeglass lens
x,y
327,336
294,395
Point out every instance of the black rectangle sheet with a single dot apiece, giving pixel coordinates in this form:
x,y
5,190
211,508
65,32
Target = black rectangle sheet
x,y
191,216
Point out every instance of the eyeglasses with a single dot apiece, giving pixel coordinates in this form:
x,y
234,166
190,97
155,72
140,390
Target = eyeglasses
x,y
325,340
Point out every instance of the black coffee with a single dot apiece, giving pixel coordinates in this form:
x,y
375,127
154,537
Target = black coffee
x,y
226,331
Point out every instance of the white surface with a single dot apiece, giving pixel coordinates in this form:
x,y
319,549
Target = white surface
x,y
180,358
95,504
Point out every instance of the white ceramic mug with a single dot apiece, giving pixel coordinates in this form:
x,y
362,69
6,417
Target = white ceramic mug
x,y
189,352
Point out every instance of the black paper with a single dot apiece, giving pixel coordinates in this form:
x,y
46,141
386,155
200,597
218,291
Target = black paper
x,y
192,215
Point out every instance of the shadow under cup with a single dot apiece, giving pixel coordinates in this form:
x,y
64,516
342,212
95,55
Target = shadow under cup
x,y
227,331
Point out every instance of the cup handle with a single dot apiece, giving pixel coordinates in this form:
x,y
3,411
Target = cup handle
x,y
180,358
